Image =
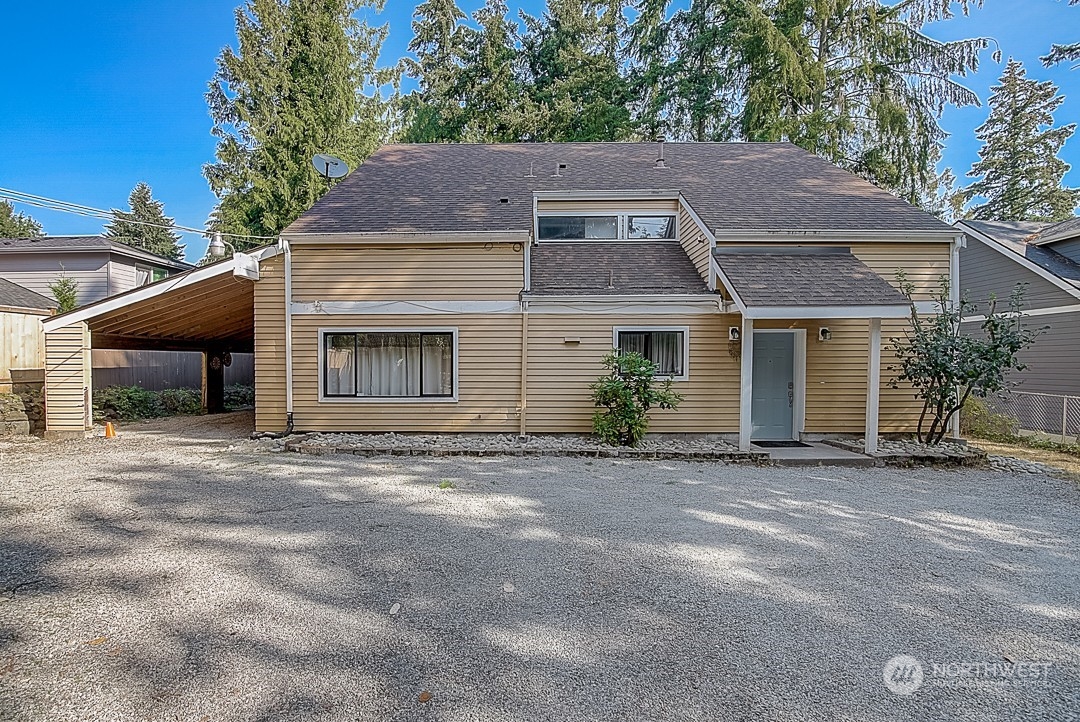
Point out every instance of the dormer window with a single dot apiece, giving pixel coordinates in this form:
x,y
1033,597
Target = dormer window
x,y
621,226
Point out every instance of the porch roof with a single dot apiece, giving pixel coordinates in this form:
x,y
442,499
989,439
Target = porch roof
x,y
805,282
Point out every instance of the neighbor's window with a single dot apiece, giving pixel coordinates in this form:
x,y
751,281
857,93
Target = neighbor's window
x,y
663,348
389,365
159,273
143,275
650,226
558,228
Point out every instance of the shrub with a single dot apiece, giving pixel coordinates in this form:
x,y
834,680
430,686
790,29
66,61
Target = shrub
x,y
239,396
627,394
66,292
978,421
126,403
180,402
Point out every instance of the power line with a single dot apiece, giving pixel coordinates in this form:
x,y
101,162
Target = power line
x,y
53,204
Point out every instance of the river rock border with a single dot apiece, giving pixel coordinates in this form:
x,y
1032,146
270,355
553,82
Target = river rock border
x,y
504,445
895,452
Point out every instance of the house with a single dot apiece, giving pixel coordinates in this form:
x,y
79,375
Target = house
x,y
1045,257
100,266
22,341
475,288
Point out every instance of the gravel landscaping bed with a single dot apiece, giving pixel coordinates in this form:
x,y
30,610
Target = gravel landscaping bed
x,y
183,572
910,452
506,444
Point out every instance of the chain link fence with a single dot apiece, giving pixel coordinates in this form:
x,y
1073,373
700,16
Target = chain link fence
x,y
1049,413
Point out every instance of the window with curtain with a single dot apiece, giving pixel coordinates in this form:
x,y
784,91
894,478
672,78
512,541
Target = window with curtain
x,y
143,275
560,228
663,348
388,365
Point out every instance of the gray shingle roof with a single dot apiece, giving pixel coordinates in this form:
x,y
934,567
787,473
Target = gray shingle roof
x,y
804,276
613,268
14,295
86,243
1020,237
732,186
1060,231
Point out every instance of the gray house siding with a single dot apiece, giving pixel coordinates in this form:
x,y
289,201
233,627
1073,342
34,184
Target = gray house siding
x,y
985,271
121,275
37,270
1054,361
1070,249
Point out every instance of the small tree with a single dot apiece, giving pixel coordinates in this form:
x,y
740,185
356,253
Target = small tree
x,y
626,394
946,366
66,292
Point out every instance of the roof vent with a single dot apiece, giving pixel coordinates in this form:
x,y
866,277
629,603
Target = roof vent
x,y
660,163
558,170
532,173
504,199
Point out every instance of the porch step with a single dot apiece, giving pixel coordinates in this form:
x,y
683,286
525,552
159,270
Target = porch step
x,y
815,455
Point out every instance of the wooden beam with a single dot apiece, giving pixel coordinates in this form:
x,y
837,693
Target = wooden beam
x,y
143,343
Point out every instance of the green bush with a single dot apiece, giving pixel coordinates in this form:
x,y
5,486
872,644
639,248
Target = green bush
x,y
239,396
125,403
626,394
978,421
180,402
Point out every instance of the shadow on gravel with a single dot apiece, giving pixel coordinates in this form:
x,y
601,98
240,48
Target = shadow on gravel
x,y
261,587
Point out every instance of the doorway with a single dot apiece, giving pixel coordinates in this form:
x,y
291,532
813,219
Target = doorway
x,y
776,411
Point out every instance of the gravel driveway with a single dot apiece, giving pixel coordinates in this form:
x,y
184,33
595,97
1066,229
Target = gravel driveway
x,y
179,573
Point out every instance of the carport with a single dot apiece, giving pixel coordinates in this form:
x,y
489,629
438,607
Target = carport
x,y
208,309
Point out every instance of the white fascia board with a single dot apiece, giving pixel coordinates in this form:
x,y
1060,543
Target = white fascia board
x,y
1051,311
706,299
728,285
172,283
596,308
823,312
1021,260
406,238
869,235
683,203
585,195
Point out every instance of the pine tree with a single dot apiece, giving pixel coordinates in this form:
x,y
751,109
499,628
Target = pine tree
x,y
17,225
1019,173
435,110
490,86
854,81
1063,53
304,80
574,89
145,226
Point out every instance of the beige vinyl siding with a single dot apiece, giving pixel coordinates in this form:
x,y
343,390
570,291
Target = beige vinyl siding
x,y
560,373
613,205
489,378
475,272
985,272
67,378
270,403
22,344
695,242
924,263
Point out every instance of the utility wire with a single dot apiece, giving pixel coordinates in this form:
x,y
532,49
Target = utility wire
x,y
53,204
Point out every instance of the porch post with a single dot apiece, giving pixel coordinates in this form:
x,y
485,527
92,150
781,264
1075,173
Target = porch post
x,y
873,386
746,373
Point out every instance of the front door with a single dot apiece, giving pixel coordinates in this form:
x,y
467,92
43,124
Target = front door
x,y
773,402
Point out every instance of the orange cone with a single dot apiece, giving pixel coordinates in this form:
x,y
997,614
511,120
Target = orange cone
x,y
110,432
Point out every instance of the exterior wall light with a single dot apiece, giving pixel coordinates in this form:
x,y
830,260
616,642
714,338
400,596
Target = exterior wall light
x,y
734,333
217,246
824,334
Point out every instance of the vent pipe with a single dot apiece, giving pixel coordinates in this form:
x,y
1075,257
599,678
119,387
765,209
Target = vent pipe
x,y
660,163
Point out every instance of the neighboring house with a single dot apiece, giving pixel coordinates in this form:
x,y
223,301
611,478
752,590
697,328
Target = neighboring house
x,y
475,288
22,341
1045,257
100,266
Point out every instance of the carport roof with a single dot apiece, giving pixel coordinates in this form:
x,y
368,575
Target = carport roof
x,y
211,305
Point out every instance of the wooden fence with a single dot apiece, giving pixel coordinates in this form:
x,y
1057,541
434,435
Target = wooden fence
x,y
22,344
157,370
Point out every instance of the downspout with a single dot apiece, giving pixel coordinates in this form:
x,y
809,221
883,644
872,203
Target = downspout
x,y
288,338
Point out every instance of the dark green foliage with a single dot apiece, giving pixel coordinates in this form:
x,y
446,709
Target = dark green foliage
x,y
435,111
66,292
946,365
17,225
145,226
978,421
1019,172
239,396
626,394
1062,53
130,403
304,80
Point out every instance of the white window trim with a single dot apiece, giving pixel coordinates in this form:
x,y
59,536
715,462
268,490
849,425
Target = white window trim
x,y
685,376
323,398
622,217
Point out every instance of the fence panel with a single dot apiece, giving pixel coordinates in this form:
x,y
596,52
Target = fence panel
x,y
1056,414
157,370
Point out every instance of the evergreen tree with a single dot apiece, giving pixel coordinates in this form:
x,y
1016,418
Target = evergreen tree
x,y
1018,171
17,225
574,89
304,80
854,81
1063,53
145,226
491,88
435,110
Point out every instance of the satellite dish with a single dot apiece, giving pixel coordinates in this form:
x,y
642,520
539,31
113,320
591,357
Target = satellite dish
x,y
329,166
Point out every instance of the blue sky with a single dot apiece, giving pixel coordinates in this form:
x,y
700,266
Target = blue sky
x,y
99,96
